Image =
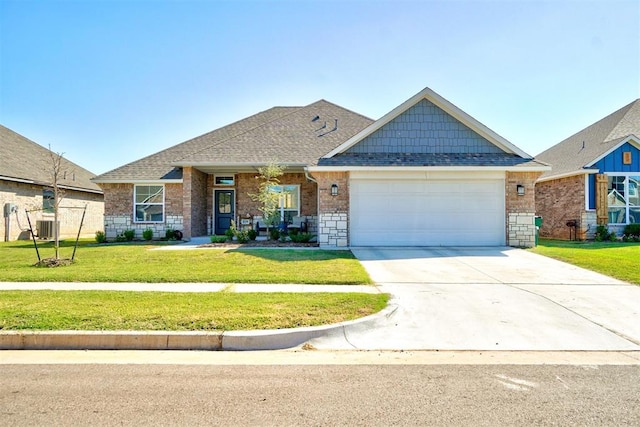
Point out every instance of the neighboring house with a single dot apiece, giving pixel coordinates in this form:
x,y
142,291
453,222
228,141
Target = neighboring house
x,y
594,178
425,174
25,184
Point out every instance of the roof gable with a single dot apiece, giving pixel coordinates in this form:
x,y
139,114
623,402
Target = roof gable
x,y
576,154
425,129
26,161
430,136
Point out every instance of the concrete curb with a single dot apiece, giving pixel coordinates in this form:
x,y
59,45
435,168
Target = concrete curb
x,y
274,339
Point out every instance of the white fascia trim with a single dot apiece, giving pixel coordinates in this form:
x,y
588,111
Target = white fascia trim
x,y
569,174
138,181
632,139
426,168
446,106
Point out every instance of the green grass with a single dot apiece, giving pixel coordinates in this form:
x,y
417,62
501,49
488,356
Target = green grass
x,y
173,311
615,259
137,263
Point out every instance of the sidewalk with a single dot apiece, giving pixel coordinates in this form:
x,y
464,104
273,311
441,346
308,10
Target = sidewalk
x,y
167,340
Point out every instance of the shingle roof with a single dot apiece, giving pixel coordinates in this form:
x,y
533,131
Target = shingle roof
x,y
579,150
419,159
24,160
287,135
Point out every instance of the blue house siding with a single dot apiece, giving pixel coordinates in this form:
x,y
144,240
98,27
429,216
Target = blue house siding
x,y
613,163
425,129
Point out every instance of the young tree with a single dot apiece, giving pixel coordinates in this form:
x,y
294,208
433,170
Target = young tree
x,y
56,174
269,200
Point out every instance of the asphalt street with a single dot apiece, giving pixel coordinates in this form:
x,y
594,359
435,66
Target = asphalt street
x,y
340,395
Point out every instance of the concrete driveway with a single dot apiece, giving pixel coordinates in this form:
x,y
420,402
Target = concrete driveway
x,y
491,299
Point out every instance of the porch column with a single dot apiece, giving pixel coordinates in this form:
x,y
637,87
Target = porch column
x,y
602,201
194,202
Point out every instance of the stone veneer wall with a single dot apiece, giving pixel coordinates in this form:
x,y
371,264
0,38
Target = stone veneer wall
x,y
559,201
118,215
29,196
333,211
520,210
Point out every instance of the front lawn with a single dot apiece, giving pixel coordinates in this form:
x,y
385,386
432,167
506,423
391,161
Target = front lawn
x,y
615,259
177,311
137,263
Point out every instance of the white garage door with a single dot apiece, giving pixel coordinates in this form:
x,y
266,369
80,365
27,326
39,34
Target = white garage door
x,y
420,212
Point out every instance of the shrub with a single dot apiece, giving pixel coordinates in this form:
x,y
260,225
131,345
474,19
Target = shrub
x,y
218,239
632,230
301,237
169,234
101,237
129,234
252,234
121,238
147,234
274,233
177,234
230,233
603,234
242,236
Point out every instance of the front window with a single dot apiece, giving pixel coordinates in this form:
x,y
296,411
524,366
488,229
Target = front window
x,y
623,199
148,203
48,201
288,202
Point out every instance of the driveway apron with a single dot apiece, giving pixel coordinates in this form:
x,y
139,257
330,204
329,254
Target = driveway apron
x,y
491,298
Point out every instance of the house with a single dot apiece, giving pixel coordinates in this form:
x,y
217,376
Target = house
x,y
425,174
25,184
594,178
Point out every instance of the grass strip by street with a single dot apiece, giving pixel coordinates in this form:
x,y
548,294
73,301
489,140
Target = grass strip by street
x,y
45,310
137,263
615,259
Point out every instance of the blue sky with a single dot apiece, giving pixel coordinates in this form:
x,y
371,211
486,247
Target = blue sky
x,y
109,82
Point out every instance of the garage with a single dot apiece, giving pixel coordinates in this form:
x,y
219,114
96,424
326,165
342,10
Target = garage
x,y
435,209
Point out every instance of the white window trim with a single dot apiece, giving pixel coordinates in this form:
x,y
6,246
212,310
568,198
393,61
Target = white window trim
x,y
282,209
626,192
232,176
164,216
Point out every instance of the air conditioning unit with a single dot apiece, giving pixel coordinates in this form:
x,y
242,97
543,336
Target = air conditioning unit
x,y
44,229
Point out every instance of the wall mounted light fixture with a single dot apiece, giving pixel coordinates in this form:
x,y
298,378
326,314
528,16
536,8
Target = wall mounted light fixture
x,y
520,189
334,189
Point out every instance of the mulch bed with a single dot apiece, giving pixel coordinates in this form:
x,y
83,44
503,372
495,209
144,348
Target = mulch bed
x,y
53,262
260,244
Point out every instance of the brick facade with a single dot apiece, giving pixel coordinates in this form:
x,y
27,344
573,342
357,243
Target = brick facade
x,y
333,211
194,196
562,200
520,209
29,197
118,215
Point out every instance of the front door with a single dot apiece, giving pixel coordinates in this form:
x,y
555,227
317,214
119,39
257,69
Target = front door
x,y
223,210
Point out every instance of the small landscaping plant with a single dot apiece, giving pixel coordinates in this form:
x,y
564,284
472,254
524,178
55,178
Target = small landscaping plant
x,y
229,234
120,238
129,234
147,234
274,233
101,237
631,233
218,239
253,234
301,237
604,235
169,234
242,236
